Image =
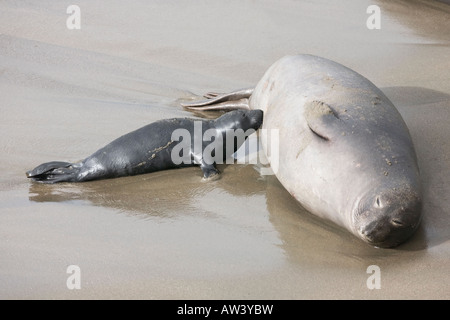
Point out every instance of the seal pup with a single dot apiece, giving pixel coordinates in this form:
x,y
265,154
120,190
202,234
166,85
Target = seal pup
x,y
344,151
158,146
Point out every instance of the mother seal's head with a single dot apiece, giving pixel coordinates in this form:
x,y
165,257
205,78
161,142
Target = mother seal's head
x,y
363,163
388,216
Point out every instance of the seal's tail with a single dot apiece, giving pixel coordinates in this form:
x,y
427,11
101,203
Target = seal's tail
x,y
222,101
55,171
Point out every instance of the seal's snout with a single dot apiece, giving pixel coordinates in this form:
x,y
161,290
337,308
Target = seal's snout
x,y
256,118
389,219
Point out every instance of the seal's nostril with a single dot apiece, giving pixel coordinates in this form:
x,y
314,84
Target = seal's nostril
x,y
378,202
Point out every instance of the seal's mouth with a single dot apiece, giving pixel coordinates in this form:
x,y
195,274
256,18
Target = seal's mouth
x,y
387,234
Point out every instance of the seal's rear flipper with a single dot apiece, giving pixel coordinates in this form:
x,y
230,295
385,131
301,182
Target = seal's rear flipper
x,y
55,171
222,101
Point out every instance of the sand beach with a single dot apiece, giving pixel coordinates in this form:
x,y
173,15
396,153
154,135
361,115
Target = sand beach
x,y
169,235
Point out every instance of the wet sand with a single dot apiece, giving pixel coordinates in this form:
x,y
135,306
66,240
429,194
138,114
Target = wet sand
x,y
169,235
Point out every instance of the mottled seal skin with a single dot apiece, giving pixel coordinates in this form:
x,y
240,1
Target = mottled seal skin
x,y
345,152
149,149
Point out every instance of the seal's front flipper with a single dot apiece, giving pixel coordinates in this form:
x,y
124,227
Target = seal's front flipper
x,y
322,120
55,171
222,101
210,172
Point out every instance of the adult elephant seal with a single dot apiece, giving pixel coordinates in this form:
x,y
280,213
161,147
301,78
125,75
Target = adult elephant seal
x,y
344,151
165,144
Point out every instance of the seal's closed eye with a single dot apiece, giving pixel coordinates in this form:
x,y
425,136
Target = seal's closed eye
x,y
318,134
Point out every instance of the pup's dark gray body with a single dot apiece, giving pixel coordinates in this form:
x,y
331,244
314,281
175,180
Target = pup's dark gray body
x,y
344,151
149,149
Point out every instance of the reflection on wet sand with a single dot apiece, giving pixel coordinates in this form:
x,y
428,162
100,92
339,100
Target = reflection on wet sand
x,y
160,194
175,194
